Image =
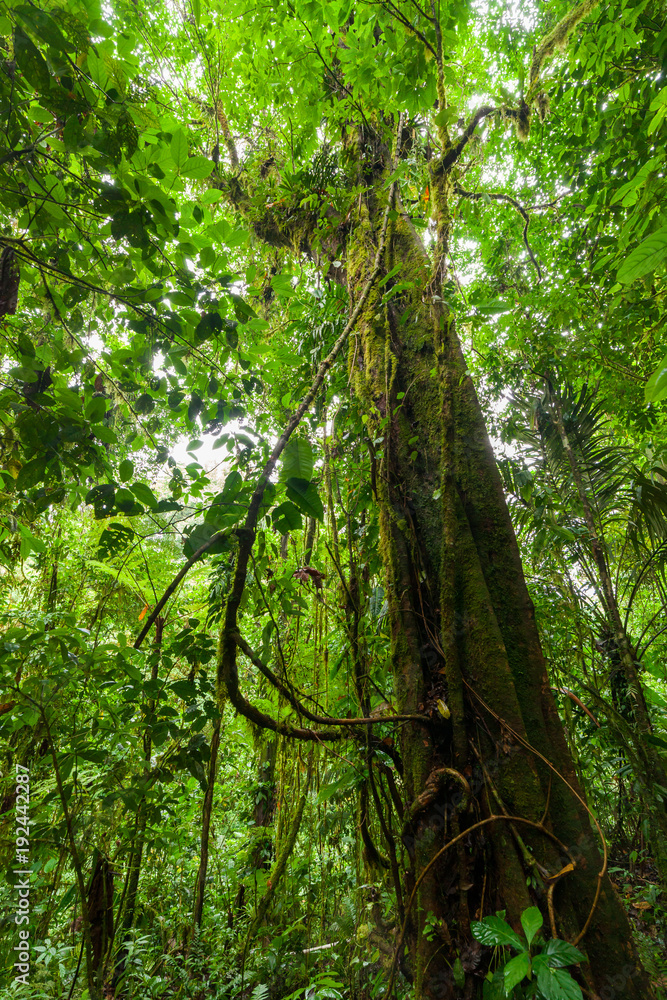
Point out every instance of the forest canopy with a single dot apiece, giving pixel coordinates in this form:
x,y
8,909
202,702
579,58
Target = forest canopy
x,y
333,499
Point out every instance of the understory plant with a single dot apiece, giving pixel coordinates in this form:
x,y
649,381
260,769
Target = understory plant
x,y
539,969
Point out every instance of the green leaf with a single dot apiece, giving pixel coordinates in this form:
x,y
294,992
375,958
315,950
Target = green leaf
x,y
126,470
105,434
126,503
304,495
144,494
185,690
197,168
200,534
286,518
496,931
656,388
31,473
145,403
560,953
26,346
233,484
297,460
96,409
531,921
655,741
516,970
44,27
31,62
645,258
131,670
494,987
130,226
30,542
114,539
178,147
557,984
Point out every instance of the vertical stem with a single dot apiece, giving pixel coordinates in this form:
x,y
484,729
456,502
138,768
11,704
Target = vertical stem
x,y
136,855
205,828
93,984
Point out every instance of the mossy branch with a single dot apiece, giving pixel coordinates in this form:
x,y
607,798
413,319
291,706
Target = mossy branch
x,y
288,694
454,152
555,40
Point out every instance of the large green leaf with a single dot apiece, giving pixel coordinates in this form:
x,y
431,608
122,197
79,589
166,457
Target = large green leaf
x,y
144,494
178,147
656,388
297,460
560,953
43,25
531,921
31,473
516,970
557,984
645,258
286,518
494,931
304,495
197,167
31,62
200,535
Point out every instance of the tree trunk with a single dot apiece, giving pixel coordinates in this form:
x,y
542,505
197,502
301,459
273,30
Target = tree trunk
x,y
128,902
465,647
207,808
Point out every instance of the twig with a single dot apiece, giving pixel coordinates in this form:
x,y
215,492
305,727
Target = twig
x,y
498,196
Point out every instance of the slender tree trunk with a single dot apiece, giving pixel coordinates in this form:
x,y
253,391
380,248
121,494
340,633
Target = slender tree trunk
x,y
207,807
464,635
131,893
94,982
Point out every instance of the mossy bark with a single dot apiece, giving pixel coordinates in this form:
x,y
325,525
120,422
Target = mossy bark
x,y
463,633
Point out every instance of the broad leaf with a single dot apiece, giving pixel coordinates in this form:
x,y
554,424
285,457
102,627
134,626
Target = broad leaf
x,y
656,387
286,518
531,921
557,984
125,470
297,460
144,494
304,495
178,147
496,931
197,167
645,258
200,535
31,473
560,953
516,970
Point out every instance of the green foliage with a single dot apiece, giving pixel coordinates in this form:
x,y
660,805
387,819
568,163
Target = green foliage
x,y
545,969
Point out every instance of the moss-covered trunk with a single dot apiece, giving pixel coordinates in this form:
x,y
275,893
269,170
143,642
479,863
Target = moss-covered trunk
x,y
465,647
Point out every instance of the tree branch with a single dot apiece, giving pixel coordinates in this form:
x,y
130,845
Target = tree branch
x,y
218,537
326,720
498,196
556,39
453,154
